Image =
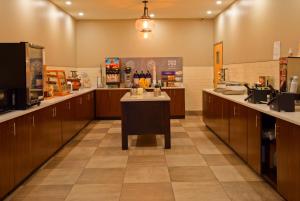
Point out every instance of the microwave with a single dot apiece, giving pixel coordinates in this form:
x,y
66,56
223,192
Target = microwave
x,y
7,100
22,69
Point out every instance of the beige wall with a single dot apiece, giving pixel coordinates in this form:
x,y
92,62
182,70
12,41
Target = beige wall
x,y
40,22
191,39
249,28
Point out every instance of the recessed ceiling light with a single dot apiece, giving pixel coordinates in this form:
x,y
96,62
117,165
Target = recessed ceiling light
x,y
209,12
219,2
152,15
68,3
81,14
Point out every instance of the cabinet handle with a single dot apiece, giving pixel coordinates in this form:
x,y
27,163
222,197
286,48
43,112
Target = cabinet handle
x,y
33,122
69,105
80,100
14,128
53,112
234,111
256,121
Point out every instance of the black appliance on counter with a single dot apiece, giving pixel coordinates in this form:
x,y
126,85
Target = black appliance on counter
x,y
21,67
257,94
283,101
7,100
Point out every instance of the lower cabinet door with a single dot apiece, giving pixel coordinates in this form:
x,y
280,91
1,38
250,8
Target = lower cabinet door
x,y
6,156
22,152
288,160
238,129
254,140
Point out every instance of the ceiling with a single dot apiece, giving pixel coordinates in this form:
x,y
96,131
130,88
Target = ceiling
x,y
132,9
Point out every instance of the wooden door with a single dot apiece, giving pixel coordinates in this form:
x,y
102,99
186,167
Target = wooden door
x,y
254,140
288,160
6,156
54,128
218,61
22,152
238,129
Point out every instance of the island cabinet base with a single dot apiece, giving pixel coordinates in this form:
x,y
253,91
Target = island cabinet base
x,y
141,118
246,137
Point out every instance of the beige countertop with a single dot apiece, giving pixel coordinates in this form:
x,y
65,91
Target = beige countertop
x,y
292,117
148,96
17,113
130,88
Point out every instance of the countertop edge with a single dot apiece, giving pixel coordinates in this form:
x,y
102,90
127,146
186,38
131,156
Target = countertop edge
x,y
292,117
46,103
166,98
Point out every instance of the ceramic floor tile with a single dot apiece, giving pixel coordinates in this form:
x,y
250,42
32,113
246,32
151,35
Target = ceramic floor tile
x,y
152,174
208,149
179,135
95,192
93,136
197,134
146,152
181,150
147,192
185,160
102,176
114,130
181,142
191,174
265,191
110,151
107,162
233,159
55,177
84,143
206,191
226,173
42,193
247,173
61,163
156,160
177,129
80,153
216,159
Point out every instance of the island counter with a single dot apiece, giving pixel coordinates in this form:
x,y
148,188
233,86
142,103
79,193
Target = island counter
x,y
145,114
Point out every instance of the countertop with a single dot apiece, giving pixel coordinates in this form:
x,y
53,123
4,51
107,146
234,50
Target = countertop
x,y
292,117
17,113
120,88
149,96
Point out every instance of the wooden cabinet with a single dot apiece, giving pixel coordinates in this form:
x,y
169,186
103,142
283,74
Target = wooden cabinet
x,y
108,103
288,160
238,129
216,115
22,149
177,105
53,126
6,156
254,140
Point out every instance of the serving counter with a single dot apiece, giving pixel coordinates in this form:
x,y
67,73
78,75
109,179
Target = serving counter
x,y
268,141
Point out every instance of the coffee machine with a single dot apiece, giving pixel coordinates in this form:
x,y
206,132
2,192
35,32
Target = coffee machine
x,y
127,77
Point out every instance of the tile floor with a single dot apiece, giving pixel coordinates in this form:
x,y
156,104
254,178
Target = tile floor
x,y
92,167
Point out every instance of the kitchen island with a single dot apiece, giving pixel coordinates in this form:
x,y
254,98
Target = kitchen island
x,y
145,114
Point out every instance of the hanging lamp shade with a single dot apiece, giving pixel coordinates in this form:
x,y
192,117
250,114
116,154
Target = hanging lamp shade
x,y
145,23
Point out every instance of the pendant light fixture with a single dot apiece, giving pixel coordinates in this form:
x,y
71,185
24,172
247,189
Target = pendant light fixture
x,y
145,24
